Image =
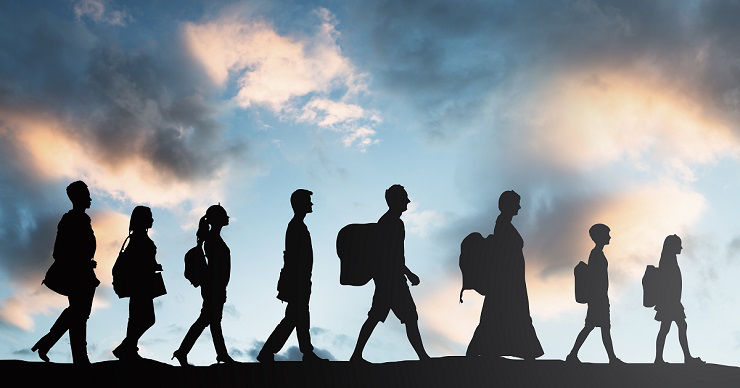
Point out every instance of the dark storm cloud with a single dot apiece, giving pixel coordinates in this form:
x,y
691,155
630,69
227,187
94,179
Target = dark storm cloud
x,y
443,59
120,98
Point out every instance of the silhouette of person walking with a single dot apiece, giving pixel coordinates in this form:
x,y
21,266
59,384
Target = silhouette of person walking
x,y
294,284
390,274
72,274
668,307
505,327
213,289
141,271
598,302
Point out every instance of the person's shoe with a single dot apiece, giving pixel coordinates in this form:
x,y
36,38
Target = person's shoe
x,y
41,350
265,357
659,362
572,359
81,361
225,359
694,361
181,357
312,357
615,361
358,360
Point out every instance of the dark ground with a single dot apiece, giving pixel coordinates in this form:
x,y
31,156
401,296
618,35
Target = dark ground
x,y
439,372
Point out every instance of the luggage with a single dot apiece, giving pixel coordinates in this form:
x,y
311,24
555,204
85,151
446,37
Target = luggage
x,y
121,272
476,255
583,284
358,249
195,266
651,286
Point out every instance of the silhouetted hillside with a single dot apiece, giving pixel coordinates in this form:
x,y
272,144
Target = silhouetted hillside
x,y
440,372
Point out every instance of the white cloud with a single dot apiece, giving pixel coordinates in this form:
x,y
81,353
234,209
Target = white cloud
x,y
421,222
280,71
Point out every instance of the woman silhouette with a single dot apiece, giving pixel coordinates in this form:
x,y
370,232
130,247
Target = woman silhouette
x,y
141,271
505,327
668,307
213,288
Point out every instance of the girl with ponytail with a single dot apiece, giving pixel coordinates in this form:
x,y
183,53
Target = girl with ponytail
x,y
213,289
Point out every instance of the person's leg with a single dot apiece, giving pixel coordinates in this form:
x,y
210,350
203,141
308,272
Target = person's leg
x,y
412,332
580,339
80,305
278,337
141,318
216,314
57,330
606,338
683,340
365,331
194,332
665,326
303,325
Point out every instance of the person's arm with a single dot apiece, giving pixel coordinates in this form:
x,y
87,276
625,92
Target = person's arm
x,y
411,276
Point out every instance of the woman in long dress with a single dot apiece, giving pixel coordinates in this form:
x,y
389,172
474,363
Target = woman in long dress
x,y
505,327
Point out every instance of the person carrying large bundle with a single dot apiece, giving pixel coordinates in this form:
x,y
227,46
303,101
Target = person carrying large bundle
x,y
390,273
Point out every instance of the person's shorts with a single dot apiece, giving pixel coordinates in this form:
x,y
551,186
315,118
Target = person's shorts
x,y
394,296
598,314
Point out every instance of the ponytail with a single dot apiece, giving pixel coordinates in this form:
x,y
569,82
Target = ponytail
x,y
203,230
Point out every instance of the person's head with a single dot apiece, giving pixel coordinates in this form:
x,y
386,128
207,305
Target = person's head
x,y
508,202
397,198
599,234
141,219
79,195
215,217
300,201
671,245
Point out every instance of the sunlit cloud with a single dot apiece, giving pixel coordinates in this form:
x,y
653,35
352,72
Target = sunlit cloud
x,y
280,71
591,119
54,153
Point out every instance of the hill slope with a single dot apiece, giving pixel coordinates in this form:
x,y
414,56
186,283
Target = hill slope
x,y
440,372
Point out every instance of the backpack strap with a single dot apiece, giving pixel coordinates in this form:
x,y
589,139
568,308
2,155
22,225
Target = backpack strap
x,y
124,243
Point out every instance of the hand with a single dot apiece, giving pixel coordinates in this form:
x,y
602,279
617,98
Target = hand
x,y
94,263
413,278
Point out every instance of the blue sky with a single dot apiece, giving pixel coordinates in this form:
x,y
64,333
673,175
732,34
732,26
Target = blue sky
x,y
624,113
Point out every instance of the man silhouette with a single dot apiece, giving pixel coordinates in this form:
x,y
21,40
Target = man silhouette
x,y
294,284
598,302
391,290
74,249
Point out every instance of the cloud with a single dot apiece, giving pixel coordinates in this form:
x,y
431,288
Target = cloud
x,y
97,11
292,353
303,78
421,222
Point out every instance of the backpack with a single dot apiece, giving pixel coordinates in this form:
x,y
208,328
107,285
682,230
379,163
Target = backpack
x,y
475,263
650,286
195,266
121,272
357,248
580,272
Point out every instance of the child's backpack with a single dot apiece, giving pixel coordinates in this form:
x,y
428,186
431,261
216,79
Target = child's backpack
x,y
358,249
651,286
195,266
122,272
475,263
580,272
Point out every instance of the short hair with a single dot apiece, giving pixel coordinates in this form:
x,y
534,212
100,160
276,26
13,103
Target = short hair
x,y
507,199
394,193
596,230
298,196
76,189
139,216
